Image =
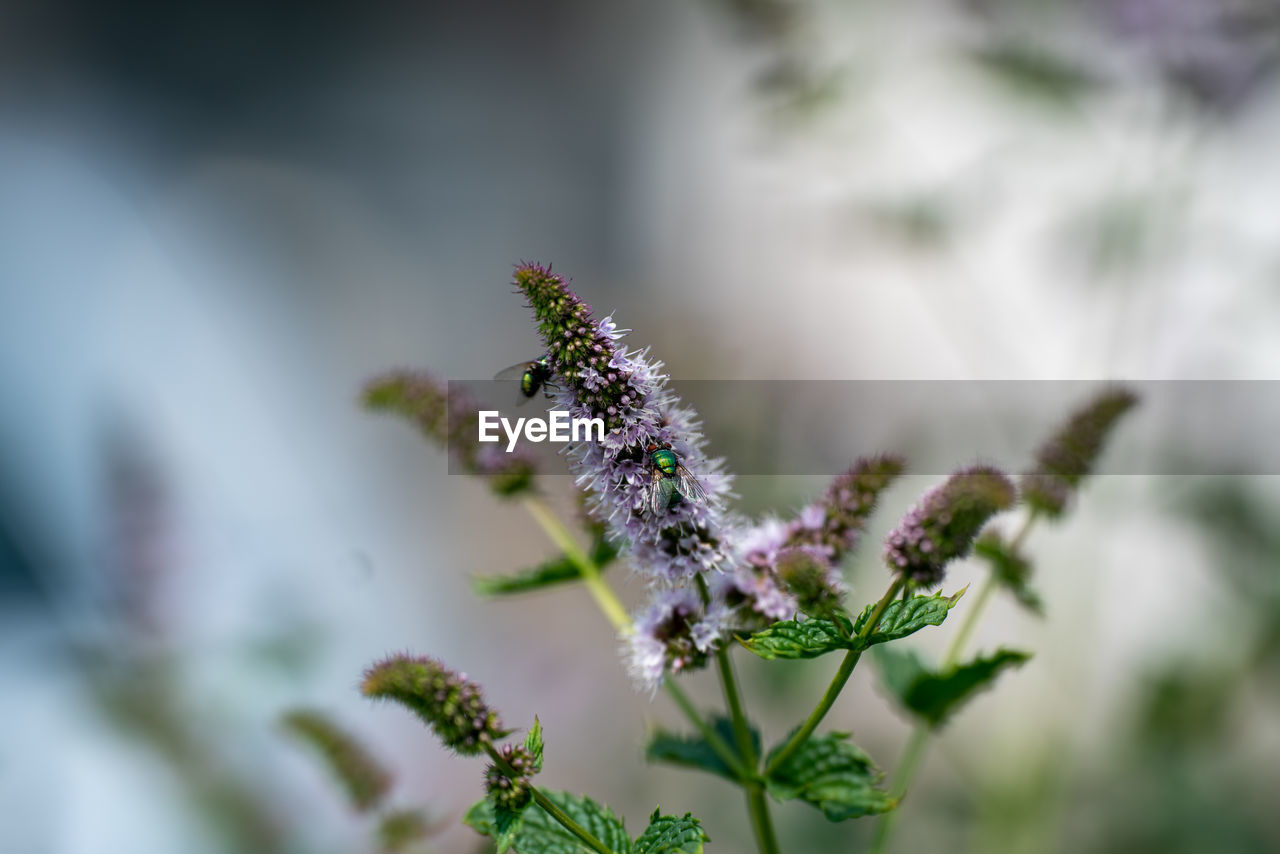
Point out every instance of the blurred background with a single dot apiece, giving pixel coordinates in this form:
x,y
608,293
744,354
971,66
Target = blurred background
x,y
218,220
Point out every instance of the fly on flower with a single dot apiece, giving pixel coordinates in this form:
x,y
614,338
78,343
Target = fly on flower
x,y
669,480
533,376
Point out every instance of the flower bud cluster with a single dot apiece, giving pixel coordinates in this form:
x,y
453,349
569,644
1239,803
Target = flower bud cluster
x,y
943,524
452,421
507,792
450,704
1071,453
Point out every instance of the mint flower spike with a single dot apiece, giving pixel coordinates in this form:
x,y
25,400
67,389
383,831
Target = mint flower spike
x,y
782,568
450,704
451,421
673,541
365,781
836,521
1070,454
598,378
943,524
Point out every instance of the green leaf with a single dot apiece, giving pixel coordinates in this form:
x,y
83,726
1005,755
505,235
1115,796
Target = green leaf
x,y
1012,569
833,774
791,639
669,834
506,826
533,743
555,571
1035,73
906,617
693,751
934,696
398,829
539,833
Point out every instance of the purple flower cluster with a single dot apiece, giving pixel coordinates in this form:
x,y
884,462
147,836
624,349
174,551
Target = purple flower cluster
x,y
783,568
943,524
710,573
596,377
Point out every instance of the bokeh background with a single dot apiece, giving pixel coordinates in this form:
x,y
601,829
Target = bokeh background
x,y
217,220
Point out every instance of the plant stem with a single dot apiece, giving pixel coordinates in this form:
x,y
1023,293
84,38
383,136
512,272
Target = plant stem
x,y
744,764
590,573
717,744
913,753
757,805
608,603
549,807
837,684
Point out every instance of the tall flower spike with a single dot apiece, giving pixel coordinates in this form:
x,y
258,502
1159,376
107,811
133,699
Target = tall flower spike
x,y
835,522
1070,454
452,421
450,704
597,378
942,525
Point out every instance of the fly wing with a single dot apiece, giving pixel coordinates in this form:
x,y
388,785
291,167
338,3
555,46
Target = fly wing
x,y
657,497
688,485
515,372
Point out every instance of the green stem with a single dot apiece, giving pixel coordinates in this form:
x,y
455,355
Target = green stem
x,y
589,572
757,805
717,744
549,807
837,684
913,753
617,615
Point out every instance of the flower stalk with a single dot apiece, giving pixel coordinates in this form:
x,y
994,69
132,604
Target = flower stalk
x,y
837,683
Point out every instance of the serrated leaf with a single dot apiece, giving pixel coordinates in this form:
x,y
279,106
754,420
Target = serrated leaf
x,y
539,833
833,774
558,570
906,617
693,751
506,826
669,834
533,743
791,639
934,696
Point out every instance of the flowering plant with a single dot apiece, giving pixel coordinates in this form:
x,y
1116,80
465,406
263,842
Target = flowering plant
x,y
717,581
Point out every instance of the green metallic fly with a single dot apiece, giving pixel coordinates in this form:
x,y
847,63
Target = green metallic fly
x,y
669,481
533,376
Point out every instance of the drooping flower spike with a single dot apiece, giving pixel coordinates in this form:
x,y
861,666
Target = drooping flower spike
x,y
448,702
1070,454
451,420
